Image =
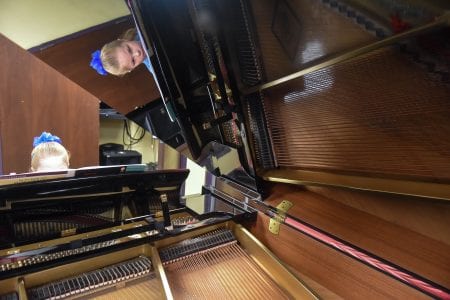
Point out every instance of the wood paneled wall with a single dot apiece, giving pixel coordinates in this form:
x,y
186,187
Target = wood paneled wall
x,y
34,98
72,58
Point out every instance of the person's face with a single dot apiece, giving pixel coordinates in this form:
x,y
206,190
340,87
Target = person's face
x,y
130,54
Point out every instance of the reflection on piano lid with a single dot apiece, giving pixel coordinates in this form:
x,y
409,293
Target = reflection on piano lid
x,y
270,90
207,124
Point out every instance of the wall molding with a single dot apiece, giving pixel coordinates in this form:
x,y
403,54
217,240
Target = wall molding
x,y
77,34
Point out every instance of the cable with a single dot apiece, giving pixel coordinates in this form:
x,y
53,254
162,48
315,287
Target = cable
x,y
129,139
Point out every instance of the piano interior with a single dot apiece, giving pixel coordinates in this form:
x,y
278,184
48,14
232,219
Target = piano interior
x,y
198,264
325,127
142,250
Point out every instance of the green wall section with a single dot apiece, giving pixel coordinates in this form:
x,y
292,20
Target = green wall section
x,y
30,23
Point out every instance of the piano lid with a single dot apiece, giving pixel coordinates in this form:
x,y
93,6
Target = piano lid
x,y
199,116
41,206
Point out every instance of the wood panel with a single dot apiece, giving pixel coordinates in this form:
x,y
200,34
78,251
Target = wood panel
x,y
34,98
339,273
72,58
429,218
421,252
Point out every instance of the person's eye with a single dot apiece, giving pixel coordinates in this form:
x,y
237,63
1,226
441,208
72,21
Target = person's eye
x,y
129,49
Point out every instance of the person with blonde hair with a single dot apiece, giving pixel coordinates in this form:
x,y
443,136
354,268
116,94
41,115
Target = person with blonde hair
x,y
121,56
48,154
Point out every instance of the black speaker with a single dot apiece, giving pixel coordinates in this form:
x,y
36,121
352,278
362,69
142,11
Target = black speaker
x,y
120,157
154,118
110,147
161,124
175,141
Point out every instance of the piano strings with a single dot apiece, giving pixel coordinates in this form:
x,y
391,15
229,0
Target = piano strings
x,y
216,270
209,265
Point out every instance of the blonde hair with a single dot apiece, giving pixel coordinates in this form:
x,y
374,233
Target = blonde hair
x,y
48,149
108,53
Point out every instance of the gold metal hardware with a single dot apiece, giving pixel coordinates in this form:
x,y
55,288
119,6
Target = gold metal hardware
x,y
160,273
284,206
430,190
273,265
68,232
14,251
21,289
274,223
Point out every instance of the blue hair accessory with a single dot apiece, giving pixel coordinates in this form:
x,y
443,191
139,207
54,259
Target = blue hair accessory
x,y
45,138
96,63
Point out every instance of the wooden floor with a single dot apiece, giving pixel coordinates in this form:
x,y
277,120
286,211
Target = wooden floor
x,y
408,232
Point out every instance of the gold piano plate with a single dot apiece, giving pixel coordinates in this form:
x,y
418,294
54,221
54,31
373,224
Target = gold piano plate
x,y
219,272
238,267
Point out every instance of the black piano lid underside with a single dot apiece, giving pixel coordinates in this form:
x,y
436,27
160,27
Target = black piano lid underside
x,y
183,63
93,184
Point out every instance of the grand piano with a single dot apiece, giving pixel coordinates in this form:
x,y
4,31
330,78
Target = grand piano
x,y
325,125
